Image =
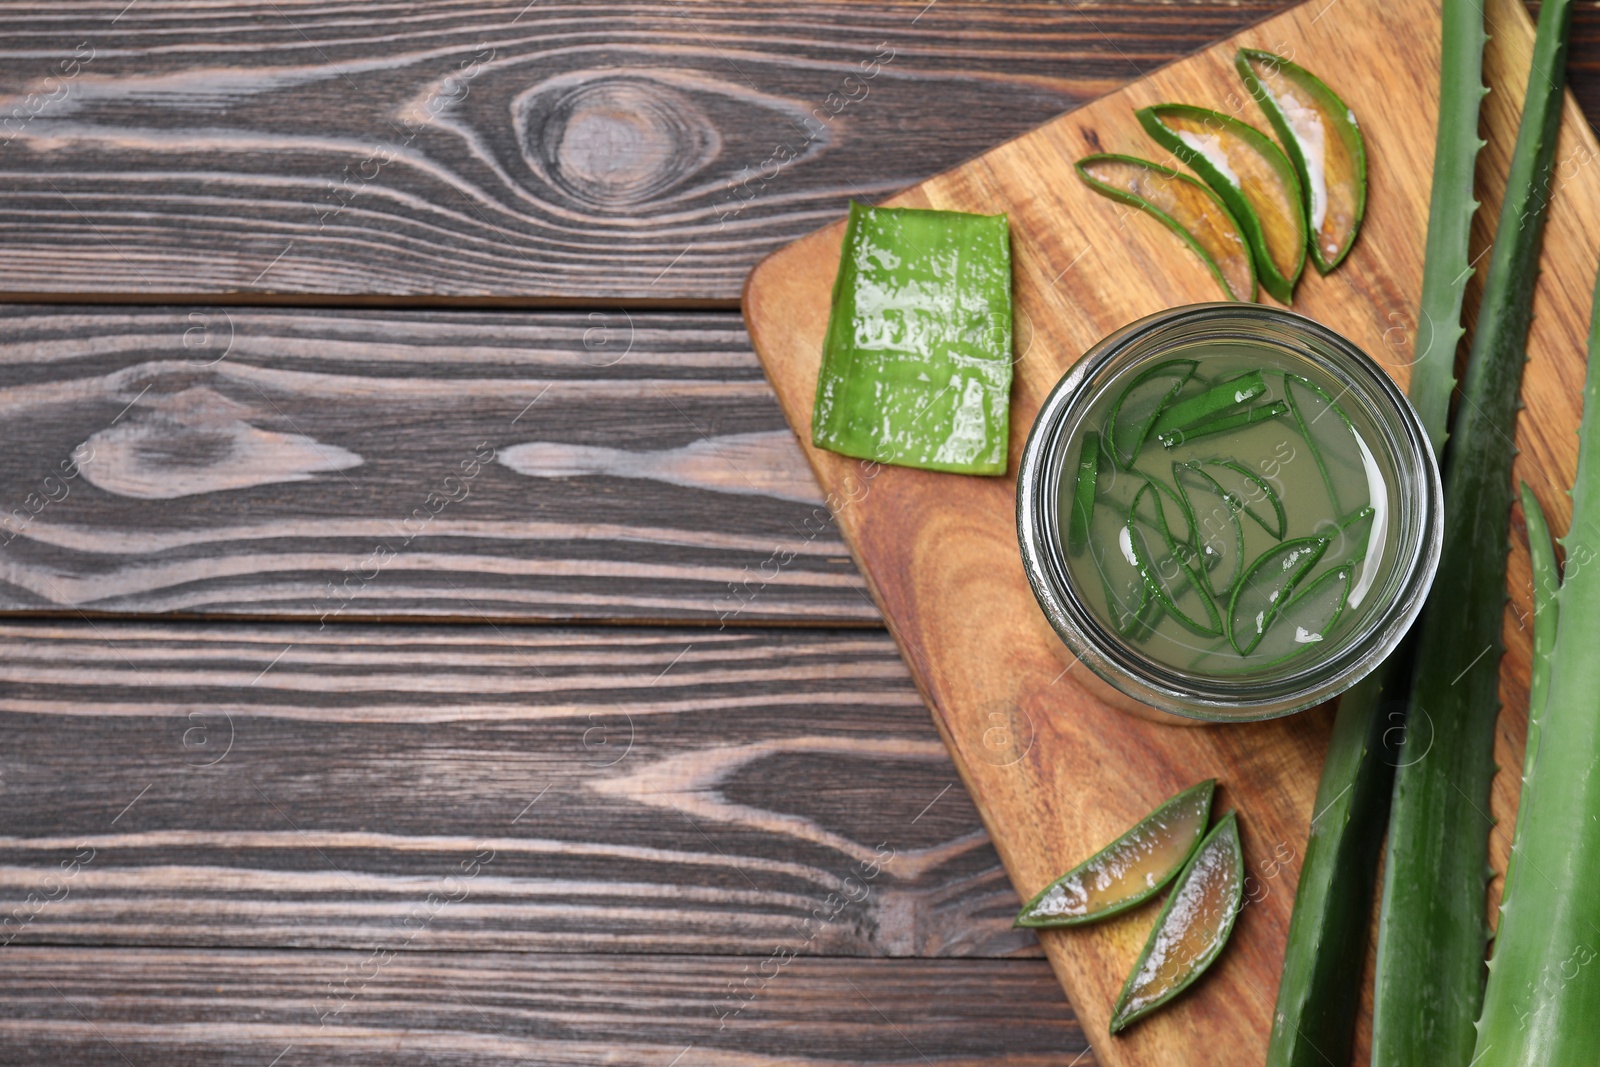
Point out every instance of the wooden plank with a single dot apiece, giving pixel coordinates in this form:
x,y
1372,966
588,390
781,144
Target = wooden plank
x,y
508,151
941,551
119,1006
594,790
336,465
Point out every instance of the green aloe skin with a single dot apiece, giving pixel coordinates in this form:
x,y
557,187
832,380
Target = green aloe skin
x,y
1431,934
1320,990
1542,1003
1319,993
1450,210
1546,611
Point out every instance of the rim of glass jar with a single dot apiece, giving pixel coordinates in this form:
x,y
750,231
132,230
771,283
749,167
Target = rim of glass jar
x,y
1419,530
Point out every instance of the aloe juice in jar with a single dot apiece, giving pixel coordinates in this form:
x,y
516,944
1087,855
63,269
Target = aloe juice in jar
x,y
1226,514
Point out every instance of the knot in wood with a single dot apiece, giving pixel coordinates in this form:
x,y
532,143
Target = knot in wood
x,y
618,141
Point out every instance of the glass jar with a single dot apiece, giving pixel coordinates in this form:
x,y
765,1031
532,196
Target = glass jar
x,y
1405,493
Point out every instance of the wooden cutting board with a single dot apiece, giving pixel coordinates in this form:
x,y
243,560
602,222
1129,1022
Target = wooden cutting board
x,y
1056,773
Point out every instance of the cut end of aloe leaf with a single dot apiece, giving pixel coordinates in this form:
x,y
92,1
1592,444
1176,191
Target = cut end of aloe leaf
x,y
1252,176
1128,871
1184,206
1324,141
1192,929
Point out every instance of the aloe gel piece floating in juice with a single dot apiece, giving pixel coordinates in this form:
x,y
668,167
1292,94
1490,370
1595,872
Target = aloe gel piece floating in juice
x,y
916,363
1128,871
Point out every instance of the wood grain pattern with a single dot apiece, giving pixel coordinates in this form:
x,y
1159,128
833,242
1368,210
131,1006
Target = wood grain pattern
x,y
112,1007
508,151
340,465
939,550
594,790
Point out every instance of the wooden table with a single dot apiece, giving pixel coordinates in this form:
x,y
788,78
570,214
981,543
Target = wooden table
x,y
424,642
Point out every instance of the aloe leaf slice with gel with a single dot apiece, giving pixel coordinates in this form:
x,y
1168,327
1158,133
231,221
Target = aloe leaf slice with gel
x,y
1322,137
1185,207
1130,870
1193,926
1253,177
1267,586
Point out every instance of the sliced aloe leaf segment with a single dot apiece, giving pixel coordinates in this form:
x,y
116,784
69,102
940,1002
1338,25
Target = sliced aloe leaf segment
x,y
1267,586
1349,541
1193,926
1249,492
1169,566
1138,623
1213,402
1323,140
1238,420
1083,492
1219,537
1173,509
1131,869
1127,594
1330,442
1252,176
1141,404
1186,207
1309,615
